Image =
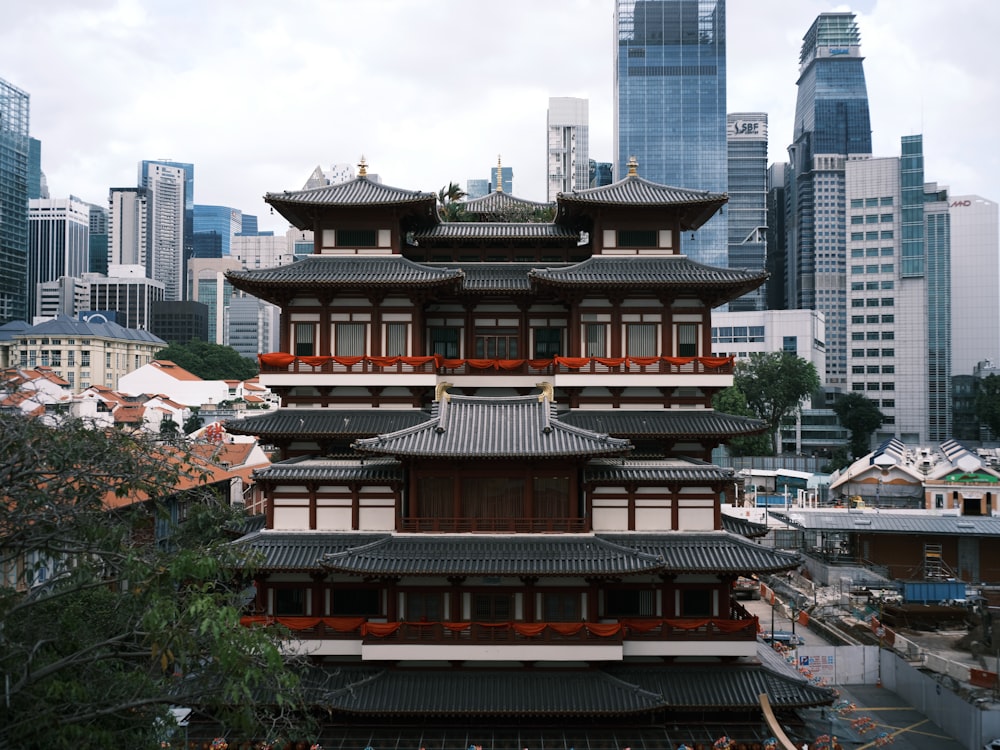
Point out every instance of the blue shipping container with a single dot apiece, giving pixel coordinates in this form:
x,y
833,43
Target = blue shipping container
x,y
933,591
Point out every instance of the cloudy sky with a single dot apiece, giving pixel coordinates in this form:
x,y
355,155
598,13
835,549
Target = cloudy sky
x,y
257,94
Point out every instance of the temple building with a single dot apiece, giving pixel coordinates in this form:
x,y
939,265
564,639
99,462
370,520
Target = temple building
x,y
494,520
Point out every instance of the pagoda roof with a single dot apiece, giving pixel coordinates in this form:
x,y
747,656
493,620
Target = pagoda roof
x,y
498,277
693,207
346,423
504,555
308,469
657,470
497,202
497,427
744,526
551,555
301,206
317,272
663,423
655,272
559,692
496,230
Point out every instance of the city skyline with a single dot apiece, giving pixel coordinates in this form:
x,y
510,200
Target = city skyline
x,y
90,101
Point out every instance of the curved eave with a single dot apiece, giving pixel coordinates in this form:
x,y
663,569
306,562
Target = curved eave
x,y
709,552
344,424
302,207
665,424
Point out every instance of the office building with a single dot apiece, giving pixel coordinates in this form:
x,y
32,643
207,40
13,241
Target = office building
x,y
15,159
129,217
127,291
746,137
266,250
214,228
776,237
476,188
975,281
99,239
207,284
899,294
38,186
178,322
670,103
832,127
600,173
567,145
58,242
171,227
251,325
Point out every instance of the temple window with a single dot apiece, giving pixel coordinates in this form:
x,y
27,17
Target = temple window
x,y
422,606
595,339
305,339
637,238
290,601
492,607
687,340
356,238
547,343
559,606
397,338
696,603
365,602
629,603
349,339
496,343
641,339
445,342
493,497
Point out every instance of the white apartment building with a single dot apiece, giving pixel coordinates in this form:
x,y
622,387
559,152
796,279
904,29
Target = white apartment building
x,y
166,185
128,226
58,242
975,282
567,145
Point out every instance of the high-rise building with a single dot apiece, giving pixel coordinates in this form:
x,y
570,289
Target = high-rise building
x,y
670,102
128,291
15,151
600,173
476,188
207,284
171,195
37,184
99,244
975,279
777,267
747,155
252,325
832,127
263,250
128,227
217,224
58,242
567,145
899,294
502,179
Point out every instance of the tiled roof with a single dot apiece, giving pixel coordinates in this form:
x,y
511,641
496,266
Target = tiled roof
x,y
173,370
665,470
349,271
298,206
497,277
63,325
498,203
501,427
300,551
328,469
743,526
874,522
562,692
517,554
648,272
476,230
346,423
708,551
663,423
504,555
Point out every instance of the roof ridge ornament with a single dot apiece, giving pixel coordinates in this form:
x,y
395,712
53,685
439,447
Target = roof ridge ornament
x,y
499,176
633,167
362,167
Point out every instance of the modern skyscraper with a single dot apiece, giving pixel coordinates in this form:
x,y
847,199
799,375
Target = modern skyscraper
x,y
220,222
670,102
975,279
832,127
567,145
98,239
777,266
170,185
58,242
128,227
15,150
747,153
899,294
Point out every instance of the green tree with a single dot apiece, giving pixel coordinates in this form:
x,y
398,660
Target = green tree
x,y
192,423
775,383
861,416
734,401
988,403
449,203
168,427
101,629
209,361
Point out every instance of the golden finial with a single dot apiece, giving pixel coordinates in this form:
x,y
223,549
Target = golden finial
x,y
362,167
499,175
633,166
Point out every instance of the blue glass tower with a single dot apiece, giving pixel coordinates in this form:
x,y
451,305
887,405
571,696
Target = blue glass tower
x,y
214,227
15,148
670,102
832,125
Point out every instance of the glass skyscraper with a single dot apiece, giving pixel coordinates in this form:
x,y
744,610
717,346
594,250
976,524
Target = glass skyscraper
x,y
832,126
15,148
747,143
171,186
670,103
219,223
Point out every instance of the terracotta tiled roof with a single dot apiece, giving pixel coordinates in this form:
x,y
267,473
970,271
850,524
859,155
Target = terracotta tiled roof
x,y
501,427
173,370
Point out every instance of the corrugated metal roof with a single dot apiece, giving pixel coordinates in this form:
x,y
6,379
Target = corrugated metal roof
x,y
501,427
346,423
708,551
661,271
557,691
499,230
504,555
63,325
663,422
347,271
875,522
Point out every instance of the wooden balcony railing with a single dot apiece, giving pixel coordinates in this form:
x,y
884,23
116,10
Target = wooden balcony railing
x,y
645,629
495,525
279,362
